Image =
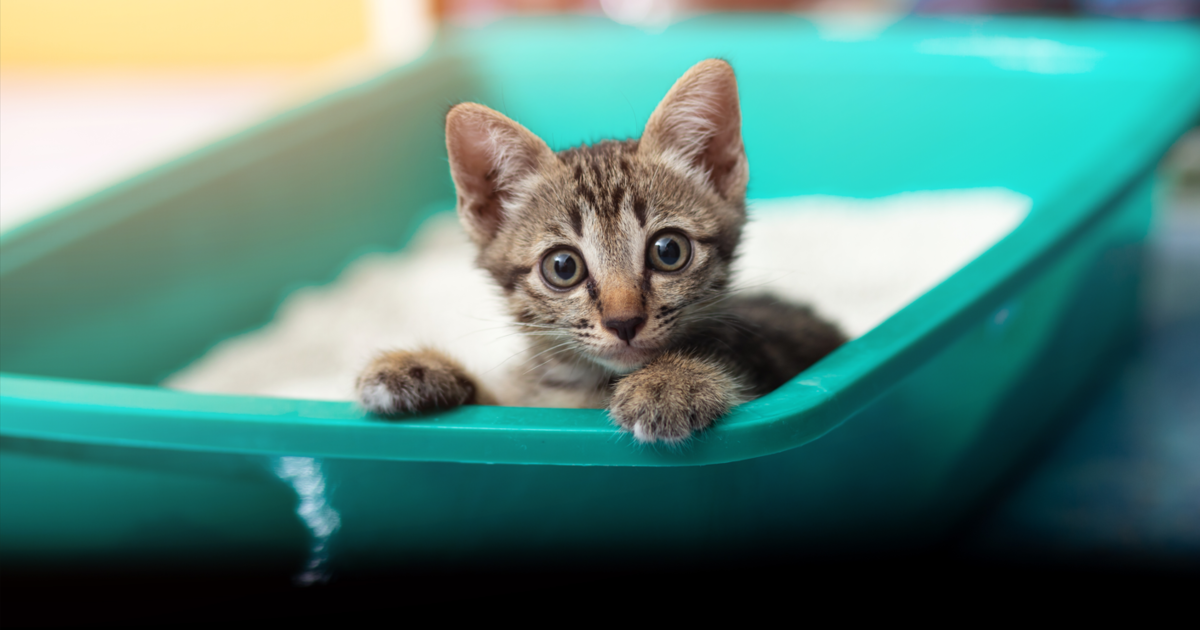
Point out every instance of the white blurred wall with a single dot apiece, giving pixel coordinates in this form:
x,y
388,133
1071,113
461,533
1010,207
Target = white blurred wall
x,y
71,125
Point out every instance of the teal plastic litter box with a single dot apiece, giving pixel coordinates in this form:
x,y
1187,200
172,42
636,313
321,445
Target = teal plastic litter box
x,y
887,443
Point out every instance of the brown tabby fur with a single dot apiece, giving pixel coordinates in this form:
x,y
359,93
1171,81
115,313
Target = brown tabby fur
x,y
698,350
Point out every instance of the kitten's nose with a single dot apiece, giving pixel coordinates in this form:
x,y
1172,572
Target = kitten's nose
x,y
625,329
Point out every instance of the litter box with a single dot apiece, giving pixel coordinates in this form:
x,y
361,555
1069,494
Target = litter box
x,y
889,443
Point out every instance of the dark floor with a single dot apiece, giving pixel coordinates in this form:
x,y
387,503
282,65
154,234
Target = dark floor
x,y
1122,487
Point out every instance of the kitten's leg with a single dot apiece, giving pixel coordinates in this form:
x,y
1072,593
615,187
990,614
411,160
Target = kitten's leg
x,y
411,381
770,340
673,396
760,344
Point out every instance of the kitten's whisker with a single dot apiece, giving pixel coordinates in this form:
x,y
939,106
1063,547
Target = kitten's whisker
x,y
723,318
509,357
756,285
488,319
554,347
550,326
551,358
707,302
507,323
553,332
525,332
483,330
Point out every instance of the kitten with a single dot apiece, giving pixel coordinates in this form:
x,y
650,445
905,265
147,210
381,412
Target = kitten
x,y
615,259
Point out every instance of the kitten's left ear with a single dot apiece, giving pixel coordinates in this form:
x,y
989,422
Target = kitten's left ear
x,y
698,126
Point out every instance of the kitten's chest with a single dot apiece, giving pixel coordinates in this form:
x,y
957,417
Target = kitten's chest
x,y
568,397
560,384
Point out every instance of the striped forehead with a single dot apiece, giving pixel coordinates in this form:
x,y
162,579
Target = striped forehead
x,y
602,186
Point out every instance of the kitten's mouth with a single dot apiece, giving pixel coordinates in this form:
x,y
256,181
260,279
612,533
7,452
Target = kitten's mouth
x,y
624,358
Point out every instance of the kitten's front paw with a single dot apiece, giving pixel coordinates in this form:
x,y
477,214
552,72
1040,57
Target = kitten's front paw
x,y
409,382
671,398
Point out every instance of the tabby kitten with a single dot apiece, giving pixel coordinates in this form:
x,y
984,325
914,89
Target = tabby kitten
x,y
615,258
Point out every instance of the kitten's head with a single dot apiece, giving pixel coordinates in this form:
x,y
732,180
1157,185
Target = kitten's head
x,y
610,250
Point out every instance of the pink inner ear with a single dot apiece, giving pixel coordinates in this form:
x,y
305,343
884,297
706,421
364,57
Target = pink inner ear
x,y
721,157
489,153
473,169
700,120
723,151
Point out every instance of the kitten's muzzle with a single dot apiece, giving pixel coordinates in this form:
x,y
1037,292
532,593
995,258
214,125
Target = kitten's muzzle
x,y
625,329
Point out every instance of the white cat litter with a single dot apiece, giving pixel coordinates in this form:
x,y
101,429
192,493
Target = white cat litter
x,y
856,261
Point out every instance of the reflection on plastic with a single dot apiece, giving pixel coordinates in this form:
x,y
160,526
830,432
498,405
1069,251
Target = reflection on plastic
x,y
304,475
999,322
1021,54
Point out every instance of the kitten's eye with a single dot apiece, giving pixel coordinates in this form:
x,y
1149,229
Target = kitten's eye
x,y
669,251
563,268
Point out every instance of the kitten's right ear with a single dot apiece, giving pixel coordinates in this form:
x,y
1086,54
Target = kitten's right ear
x,y
698,127
490,155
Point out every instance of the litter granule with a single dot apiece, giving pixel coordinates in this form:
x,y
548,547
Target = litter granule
x,y
856,261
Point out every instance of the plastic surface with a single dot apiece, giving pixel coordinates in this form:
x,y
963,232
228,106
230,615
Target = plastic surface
x,y
102,299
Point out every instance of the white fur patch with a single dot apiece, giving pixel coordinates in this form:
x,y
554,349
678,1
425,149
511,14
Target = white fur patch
x,y
377,398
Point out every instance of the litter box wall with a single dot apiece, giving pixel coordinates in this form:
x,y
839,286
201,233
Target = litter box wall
x,y
897,474
127,285
918,416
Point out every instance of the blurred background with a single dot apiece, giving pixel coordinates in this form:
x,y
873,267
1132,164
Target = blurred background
x,y
95,91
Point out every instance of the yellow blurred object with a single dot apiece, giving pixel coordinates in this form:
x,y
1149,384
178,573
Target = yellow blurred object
x,y
201,32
